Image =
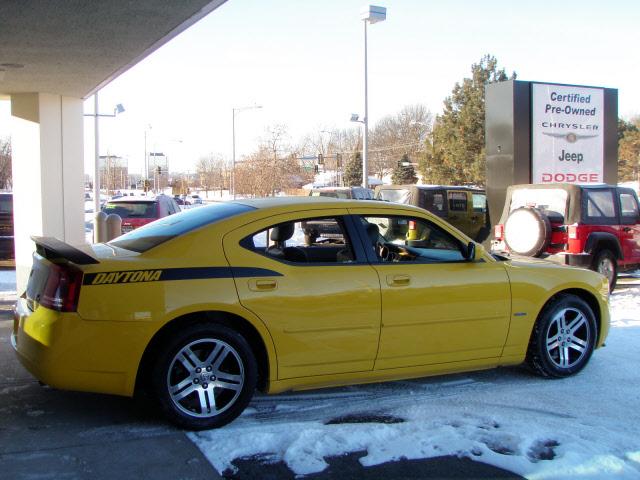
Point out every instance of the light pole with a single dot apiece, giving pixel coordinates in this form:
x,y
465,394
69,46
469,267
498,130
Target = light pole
x,y
96,180
235,111
369,14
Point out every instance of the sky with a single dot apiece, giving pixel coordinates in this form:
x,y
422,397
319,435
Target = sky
x,y
302,61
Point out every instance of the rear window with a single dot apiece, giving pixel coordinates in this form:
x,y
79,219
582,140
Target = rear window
x,y
552,201
133,209
395,195
155,233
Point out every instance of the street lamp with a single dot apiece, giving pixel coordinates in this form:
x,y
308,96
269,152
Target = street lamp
x,y
369,14
235,111
96,180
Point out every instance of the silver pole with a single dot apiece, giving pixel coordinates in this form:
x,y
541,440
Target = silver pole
x,y
233,170
365,141
96,175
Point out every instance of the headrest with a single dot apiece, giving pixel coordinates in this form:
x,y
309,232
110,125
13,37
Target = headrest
x,y
282,232
373,232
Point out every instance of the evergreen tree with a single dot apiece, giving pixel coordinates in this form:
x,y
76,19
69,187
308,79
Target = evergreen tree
x,y
404,172
456,153
353,171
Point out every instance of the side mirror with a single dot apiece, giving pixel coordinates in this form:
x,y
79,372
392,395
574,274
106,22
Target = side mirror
x,y
473,252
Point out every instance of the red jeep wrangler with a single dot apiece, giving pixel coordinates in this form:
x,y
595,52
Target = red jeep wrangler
x,y
589,226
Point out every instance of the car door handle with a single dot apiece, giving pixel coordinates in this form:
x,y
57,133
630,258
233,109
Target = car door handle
x,y
398,280
627,229
262,285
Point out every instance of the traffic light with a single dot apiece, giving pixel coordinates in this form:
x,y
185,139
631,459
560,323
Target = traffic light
x,y
316,169
159,170
320,159
147,184
338,160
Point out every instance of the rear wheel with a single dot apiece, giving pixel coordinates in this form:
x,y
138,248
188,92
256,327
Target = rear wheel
x,y
563,338
604,262
205,376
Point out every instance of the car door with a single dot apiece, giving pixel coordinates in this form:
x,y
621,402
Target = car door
x,y
436,306
459,208
319,297
630,228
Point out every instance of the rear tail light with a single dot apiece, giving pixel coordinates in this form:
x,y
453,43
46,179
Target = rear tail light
x,y
62,289
573,232
498,231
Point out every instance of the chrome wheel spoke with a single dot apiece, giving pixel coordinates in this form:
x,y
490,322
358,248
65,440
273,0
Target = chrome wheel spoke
x,y
552,343
202,397
228,377
564,357
189,359
577,344
181,386
221,358
180,394
228,386
577,323
214,354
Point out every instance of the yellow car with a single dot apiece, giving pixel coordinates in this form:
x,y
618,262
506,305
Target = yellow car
x,y
204,307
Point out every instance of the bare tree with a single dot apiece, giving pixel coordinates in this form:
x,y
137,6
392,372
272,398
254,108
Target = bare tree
x,y
395,136
6,179
213,172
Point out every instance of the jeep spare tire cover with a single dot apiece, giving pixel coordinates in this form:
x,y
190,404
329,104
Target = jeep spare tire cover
x,y
527,231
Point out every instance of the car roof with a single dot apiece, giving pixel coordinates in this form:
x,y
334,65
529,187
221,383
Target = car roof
x,y
318,202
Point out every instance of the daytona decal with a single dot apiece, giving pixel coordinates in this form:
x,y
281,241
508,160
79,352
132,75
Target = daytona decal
x,y
194,273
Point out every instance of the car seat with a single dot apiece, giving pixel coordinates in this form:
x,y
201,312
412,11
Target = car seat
x,y
279,235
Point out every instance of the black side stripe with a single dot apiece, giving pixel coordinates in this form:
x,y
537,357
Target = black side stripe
x,y
166,274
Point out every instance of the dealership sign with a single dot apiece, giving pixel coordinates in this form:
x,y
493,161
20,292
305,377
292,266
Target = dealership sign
x,y
567,134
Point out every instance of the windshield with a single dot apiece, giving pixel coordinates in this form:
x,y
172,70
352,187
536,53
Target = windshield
x,y
155,233
395,195
134,209
549,200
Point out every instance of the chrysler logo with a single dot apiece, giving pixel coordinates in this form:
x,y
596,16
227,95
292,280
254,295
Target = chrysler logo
x,y
569,137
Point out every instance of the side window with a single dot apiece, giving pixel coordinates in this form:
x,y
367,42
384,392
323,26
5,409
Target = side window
x,y
304,241
479,202
411,239
457,201
628,207
600,204
432,201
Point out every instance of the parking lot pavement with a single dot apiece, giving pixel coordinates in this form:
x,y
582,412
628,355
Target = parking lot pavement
x,y
46,433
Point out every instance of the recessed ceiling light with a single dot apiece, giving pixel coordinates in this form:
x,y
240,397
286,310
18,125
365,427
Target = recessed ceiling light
x,y
11,65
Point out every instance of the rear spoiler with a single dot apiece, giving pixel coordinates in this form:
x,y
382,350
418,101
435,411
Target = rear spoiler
x,y
57,251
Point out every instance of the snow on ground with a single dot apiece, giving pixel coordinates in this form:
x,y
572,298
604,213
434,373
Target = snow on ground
x,y
585,426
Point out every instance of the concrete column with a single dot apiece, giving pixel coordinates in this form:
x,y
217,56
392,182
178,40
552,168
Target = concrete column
x,y
48,173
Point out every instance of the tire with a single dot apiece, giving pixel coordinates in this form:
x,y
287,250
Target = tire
x,y
527,231
604,262
563,338
204,366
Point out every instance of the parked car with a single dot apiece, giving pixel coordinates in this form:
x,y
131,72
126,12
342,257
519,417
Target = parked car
x,y
590,226
463,207
357,193
7,246
138,211
181,201
203,309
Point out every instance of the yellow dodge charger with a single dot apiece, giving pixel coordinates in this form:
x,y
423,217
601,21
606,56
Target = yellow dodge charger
x,y
203,307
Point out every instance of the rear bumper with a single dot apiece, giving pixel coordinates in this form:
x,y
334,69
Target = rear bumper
x,y
56,349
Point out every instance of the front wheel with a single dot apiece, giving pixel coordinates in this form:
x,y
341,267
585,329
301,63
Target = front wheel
x,y
604,262
563,338
205,376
